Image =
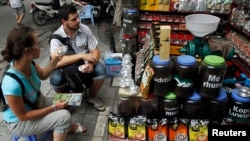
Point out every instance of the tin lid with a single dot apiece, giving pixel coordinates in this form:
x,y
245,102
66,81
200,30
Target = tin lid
x,y
186,60
170,96
236,96
221,96
194,96
244,91
158,61
214,60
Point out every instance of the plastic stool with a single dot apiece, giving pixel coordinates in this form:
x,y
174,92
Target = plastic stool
x,y
32,137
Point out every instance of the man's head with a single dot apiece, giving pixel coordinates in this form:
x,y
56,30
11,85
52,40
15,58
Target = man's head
x,y
69,17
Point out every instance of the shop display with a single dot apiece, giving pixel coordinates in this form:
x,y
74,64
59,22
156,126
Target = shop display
x,y
181,96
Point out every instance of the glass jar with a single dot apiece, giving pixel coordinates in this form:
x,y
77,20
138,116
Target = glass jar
x,y
130,22
210,76
186,69
129,45
161,83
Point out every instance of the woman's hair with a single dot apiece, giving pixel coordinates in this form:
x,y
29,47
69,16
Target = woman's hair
x,y
65,10
18,39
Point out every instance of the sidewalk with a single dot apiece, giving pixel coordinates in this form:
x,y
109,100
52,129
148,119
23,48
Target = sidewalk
x,y
95,121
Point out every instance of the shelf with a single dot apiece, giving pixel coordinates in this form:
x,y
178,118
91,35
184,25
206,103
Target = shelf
x,y
240,30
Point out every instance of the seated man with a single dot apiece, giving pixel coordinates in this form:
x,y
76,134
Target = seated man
x,y
84,46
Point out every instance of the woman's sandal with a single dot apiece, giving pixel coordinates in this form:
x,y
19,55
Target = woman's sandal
x,y
80,129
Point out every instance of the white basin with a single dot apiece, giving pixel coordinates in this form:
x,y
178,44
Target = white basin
x,y
201,25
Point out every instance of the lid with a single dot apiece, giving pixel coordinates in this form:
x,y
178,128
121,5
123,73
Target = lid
x,y
186,60
131,10
214,60
112,61
170,96
156,60
244,91
236,96
222,95
194,96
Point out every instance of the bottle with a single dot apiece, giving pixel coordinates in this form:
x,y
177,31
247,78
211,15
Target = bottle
x,y
210,76
161,83
185,71
130,22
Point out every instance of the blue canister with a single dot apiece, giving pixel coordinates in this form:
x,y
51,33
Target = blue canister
x,y
163,74
185,70
238,108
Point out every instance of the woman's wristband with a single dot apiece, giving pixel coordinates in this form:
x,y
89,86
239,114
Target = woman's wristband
x,y
54,107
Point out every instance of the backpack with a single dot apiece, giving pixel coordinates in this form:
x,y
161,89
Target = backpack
x,y
68,78
3,105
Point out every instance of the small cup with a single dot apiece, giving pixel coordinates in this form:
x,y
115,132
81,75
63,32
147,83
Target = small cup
x,y
82,67
62,50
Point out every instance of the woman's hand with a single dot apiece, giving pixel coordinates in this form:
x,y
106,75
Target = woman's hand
x,y
56,57
61,104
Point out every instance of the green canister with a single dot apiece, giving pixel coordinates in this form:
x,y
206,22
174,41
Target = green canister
x,y
210,76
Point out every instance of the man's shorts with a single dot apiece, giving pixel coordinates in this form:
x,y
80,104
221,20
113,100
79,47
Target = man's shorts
x,y
18,10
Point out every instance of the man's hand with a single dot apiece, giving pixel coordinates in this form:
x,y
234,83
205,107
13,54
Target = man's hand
x,y
88,57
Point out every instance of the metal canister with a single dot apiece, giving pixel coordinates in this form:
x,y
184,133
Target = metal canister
x,y
238,108
215,108
161,83
185,71
130,22
210,76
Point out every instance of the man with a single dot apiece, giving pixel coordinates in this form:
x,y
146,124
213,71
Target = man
x,y
84,44
18,10
117,19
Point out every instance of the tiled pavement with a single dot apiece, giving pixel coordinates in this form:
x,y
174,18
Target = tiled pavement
x,y
95,121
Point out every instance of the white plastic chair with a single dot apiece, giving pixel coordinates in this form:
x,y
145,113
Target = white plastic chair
x,y
86,13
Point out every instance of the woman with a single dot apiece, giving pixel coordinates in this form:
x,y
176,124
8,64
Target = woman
x,y
21,49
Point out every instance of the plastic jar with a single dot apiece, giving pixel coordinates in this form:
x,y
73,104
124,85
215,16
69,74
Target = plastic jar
x,y
171,105
192,106
185,71
161,83
216,107
238,108
130,22
210,76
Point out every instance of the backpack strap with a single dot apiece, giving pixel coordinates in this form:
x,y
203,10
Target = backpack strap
x,y
64,41
22,87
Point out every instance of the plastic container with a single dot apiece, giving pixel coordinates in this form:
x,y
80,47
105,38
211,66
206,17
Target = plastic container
x,y
211,75
192,106
161,83
171,105
215,108
185,71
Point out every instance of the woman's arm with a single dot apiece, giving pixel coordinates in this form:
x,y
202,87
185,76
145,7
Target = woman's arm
x,y
16,104
45,72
